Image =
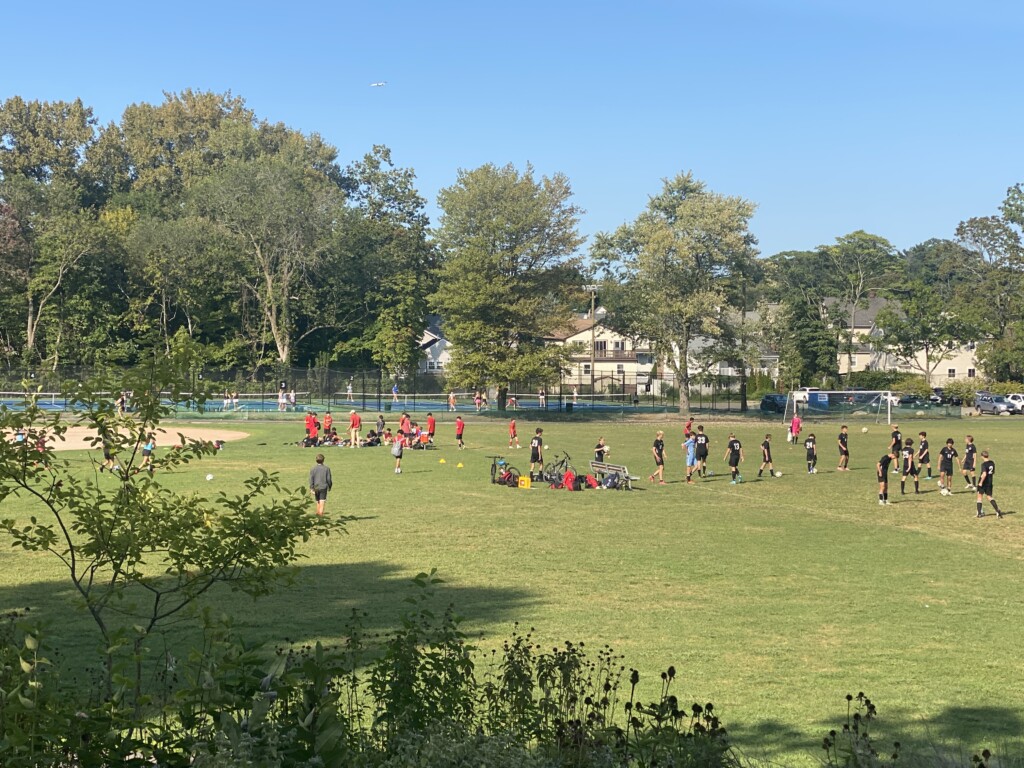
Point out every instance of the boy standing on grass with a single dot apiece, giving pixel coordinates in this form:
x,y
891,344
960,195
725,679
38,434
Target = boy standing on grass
x,y
766,457
988,471
702,444
924,458
536,451
658,450
908,468
947,455
970,461
690,446
734,455
431,426
882,468
844,449
320,483
460,428
513,435
811,446
895,443
794,427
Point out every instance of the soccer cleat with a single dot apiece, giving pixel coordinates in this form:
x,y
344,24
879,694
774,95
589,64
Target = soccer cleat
x,y
980,514
739,478
732,482
887,503
999,515
881,503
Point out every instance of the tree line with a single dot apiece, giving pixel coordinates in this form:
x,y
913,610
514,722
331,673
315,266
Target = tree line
x,y
196,220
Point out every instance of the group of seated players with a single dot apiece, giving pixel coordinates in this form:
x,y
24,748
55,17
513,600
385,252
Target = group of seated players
x,y
326,434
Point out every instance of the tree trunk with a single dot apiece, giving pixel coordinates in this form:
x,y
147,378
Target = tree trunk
x,y
502,398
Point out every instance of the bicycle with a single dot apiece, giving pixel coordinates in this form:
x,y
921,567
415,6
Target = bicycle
x,y
503,473
554,471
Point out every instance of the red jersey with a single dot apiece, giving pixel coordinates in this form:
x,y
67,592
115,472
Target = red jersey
x,y
460,425
430,424
512,428
328,421
354,421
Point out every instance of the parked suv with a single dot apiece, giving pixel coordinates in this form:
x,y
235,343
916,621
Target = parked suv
x,y
773,404
997,405
803,395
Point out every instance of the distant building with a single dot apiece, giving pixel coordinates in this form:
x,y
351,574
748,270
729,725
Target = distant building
x,y
960,364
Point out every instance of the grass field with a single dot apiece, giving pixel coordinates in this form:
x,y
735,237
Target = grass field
x,y
774,598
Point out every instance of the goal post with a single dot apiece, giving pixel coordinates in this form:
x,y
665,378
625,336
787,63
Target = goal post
x,y
841,404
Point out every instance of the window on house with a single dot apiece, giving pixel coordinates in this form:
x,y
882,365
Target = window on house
x,y
951,373
970,373
586,369
600,346
618,346
620,369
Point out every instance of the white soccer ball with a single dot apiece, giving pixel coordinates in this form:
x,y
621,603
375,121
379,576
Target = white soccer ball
x,y
778,474
864,429
545,447
209,477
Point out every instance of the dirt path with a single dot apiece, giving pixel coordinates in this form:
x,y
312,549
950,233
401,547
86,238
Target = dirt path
x,y
79,438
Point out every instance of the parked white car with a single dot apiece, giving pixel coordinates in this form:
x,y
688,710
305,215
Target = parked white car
x,y
803,395
1017,401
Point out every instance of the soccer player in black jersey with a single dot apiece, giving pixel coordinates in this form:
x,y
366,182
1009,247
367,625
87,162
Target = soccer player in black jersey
x,y
882,468
895,443
766,457
658,450
734,455
909,469
844,449
947,456
969,463
703,444
811,446
924,458
988,472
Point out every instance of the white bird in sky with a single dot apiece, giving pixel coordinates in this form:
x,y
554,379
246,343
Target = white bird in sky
x,y
381,84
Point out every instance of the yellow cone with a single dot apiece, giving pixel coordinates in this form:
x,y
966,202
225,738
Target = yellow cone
x,y
442,461
459,465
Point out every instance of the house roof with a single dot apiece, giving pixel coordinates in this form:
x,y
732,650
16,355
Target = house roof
x,y
866,314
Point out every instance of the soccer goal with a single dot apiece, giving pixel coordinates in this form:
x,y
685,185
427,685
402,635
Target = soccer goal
x,y
858,404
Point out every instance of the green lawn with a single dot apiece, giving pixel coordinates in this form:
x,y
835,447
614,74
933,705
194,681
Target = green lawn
x,y
774,598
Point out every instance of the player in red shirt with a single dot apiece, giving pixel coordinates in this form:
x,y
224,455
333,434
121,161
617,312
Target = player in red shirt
x,y
431,423
513,436
355,423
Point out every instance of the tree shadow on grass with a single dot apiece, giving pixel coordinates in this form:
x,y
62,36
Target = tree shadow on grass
x,y
318,604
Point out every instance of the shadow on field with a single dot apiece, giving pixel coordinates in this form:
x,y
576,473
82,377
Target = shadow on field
x,y
318,604
954,730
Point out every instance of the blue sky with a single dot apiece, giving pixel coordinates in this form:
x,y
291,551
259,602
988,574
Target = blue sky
x,y
899,118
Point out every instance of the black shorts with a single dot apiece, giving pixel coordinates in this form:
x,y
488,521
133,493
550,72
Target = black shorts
x,y
701,455
882,478
320,494
968,466
734,461
458,436
985,488
844,451
430,435
146,454
926,459
108,455
659,461
534,457
946,469
910,471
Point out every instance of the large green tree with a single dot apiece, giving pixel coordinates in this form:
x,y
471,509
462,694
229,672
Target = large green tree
x,y
673,265
996,286
510,274
278,212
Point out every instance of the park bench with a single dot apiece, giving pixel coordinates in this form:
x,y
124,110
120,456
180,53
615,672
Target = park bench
x,y
602,469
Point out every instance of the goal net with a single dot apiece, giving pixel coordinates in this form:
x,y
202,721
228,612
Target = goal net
x,y
860,404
